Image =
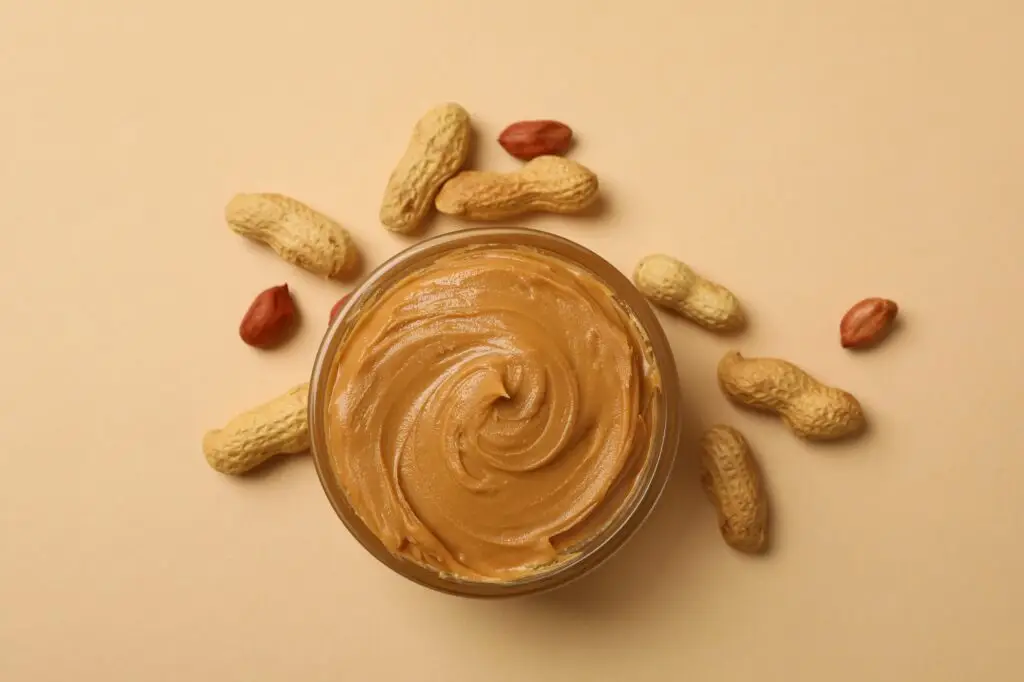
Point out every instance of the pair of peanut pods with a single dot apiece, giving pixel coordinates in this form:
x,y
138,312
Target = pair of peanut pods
x,y
429,174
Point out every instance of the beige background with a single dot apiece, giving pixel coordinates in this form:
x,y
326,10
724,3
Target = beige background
x,y
807,153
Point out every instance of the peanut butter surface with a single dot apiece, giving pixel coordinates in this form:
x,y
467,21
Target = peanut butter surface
x,y
491,412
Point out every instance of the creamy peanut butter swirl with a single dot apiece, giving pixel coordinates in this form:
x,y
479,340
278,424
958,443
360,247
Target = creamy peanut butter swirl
x,y
490,412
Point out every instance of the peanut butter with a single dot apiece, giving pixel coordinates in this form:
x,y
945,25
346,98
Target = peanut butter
x,y
491,412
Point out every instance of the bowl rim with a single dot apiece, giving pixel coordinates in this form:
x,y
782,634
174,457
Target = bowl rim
x,y
664,440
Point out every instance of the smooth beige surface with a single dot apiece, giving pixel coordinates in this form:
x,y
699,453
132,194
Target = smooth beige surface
x,y
805,154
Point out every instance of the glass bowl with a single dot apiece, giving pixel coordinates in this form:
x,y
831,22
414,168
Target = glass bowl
x,y
664,437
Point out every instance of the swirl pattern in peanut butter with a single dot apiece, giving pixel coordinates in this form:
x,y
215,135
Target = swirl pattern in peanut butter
x,y
491,412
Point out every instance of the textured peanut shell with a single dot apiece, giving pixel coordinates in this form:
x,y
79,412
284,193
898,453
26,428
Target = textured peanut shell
x,y
437,150
732,480
277,427
811,409
672,284
296,232
547,183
